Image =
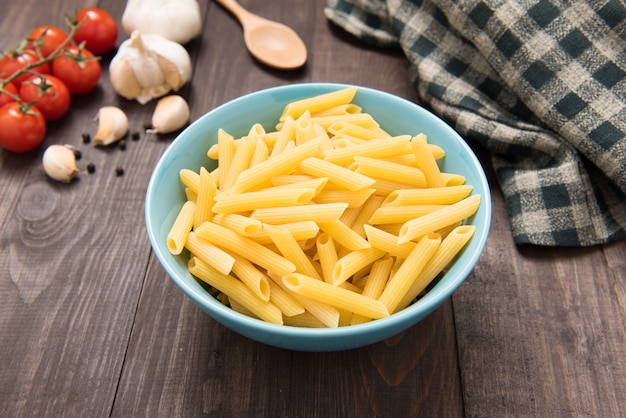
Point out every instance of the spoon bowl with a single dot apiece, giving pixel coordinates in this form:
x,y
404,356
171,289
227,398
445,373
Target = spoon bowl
x,y
272,43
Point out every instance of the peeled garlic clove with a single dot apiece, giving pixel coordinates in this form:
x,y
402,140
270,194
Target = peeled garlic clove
x,y
170,114
59,163
112,125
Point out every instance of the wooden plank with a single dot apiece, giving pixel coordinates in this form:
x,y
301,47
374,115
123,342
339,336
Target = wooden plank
x,y
537,331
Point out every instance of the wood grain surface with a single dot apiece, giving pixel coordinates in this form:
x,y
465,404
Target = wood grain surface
x,y
91,326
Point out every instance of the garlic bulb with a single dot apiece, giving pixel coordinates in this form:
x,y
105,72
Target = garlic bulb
x,y
177,20
147,66
59,163
112,125
170,114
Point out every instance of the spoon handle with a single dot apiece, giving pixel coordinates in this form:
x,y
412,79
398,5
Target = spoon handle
x,y
236,9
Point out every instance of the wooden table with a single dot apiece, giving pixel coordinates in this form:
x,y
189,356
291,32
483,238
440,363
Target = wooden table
x,y
90,324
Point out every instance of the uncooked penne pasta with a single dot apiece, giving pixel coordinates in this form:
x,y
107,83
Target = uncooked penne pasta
x,y
236,290
179,231
280,164
326,221
438,219
426,162
428,196
245,247
336,174
318,103
401,281
336,296
326,212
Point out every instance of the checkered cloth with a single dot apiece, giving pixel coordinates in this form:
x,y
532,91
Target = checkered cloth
x,y
539,83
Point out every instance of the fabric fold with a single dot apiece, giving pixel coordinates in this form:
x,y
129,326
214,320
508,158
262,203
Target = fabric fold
x,y
540,84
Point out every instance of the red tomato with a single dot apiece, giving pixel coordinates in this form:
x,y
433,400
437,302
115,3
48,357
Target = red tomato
x,y
9,87
98,30
48,93
21,130
46,38
14,61
78,69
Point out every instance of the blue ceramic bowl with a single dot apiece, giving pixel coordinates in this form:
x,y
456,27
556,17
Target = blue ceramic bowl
x,y
165,196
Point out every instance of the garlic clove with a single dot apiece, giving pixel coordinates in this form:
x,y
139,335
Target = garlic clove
x,y
123,79
173,78
59,163
112,125
170,114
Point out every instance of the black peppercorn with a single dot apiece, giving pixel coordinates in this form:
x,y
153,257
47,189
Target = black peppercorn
x,y
119,171
91,168
86,138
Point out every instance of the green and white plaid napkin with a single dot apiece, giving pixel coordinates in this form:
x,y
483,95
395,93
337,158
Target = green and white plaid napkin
x,y
539,83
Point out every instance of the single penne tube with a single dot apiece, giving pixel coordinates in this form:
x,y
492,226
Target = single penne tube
x,y
426,162
320,291
378,148
354,199
428,196
344,235
401,214
350,129
209,253
379,169
177,236
245,247
243,225
315,184
190,179
439,219
327,255
240,161
353,262
318,103
325,313
284,301
343,141
385,187
305,129
336,174
447,251
388,242
235,290
401,281
289,248
339,110
286,135
452,179
301,231
226,152
252,277
367,210
361,119
207,190
256,131
267,198
261,153
317,213
375,284
280,164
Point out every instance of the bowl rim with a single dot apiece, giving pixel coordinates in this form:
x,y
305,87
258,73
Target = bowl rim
x,y
425,304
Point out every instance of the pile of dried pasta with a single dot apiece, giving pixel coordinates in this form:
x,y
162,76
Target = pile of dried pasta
x,y
327,221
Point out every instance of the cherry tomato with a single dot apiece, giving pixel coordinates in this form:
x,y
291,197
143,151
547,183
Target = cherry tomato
x,y
98,30
46,39
14,61
9,87
78,69
21,130
48,93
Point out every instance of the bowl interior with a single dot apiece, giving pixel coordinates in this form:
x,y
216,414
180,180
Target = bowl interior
x,y
397,116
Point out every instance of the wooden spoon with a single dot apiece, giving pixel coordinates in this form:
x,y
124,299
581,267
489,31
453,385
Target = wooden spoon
x,y
272,43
